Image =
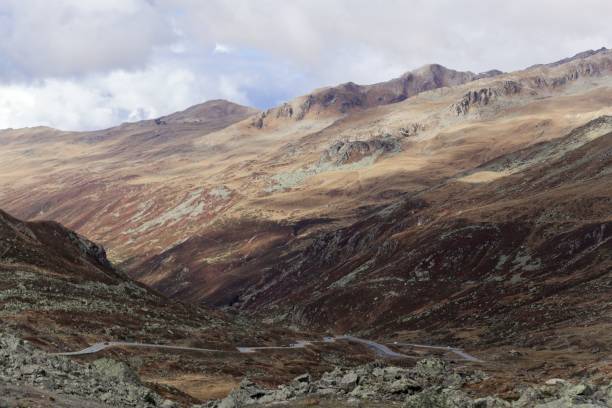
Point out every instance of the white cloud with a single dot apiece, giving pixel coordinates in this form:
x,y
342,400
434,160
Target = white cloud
x,y
104,100
74,37
85,64
222,49
467,34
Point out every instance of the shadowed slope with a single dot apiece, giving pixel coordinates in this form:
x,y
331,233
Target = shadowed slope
x,y
205,214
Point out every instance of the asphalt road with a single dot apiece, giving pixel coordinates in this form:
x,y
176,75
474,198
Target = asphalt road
x,y
380,349
457,351
97,347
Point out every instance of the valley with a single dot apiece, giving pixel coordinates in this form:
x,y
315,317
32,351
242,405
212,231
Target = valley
x,y
441,219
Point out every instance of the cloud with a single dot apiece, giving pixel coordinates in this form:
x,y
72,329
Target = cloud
x,y
101,101
79,64
222,49
467,34
72,37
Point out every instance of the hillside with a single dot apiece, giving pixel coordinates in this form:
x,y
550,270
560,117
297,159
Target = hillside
x,y
440,207
60,294
467,253
216,203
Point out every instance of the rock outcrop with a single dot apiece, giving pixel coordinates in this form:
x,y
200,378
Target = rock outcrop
x,y
484,96
432,383
350,152
108,382
369,382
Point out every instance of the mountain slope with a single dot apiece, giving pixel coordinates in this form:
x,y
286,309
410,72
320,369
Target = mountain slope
x,y
336,181
532,233
59,292
203,214
519,266
50,246
66,281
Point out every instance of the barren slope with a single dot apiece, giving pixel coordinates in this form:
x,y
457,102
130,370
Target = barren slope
x,y
58,291
330,178
203,210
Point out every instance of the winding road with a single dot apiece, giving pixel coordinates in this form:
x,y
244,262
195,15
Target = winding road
x,y
381,350
457,351
97,347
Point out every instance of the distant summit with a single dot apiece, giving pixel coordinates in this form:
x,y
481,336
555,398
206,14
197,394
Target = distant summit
x,y
210,111
579,56
350,96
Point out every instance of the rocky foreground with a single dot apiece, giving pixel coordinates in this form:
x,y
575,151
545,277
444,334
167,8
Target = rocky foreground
x,y
432,383
30,377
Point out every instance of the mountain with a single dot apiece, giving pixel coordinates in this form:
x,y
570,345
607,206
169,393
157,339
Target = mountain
x,y
167,196
153,188
350,96
530,230
579,56
214,114
59,292
439,207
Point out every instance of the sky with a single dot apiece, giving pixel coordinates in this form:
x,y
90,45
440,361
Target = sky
x,y
91,64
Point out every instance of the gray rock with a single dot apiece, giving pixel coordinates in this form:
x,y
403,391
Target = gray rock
x,y
491,402
438,398
349,381
432,368
117,370
301,384
247,393
349,152
403,386
363,392
105,381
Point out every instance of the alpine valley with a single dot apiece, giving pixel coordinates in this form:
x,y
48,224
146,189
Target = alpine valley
x,y
442,239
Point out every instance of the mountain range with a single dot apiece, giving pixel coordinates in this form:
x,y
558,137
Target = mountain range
x,y
440,207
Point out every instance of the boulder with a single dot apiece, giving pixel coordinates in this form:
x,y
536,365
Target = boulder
x,y
349,381
491,402
116,370
404,386
301,384
247,393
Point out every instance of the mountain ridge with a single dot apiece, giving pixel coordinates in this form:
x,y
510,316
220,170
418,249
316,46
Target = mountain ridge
x,y
346,97
440,208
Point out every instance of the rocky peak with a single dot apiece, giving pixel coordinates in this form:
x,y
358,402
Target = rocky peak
x,y
348,97
580,56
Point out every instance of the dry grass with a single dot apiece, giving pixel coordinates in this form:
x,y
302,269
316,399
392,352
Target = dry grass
x,y
200,386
